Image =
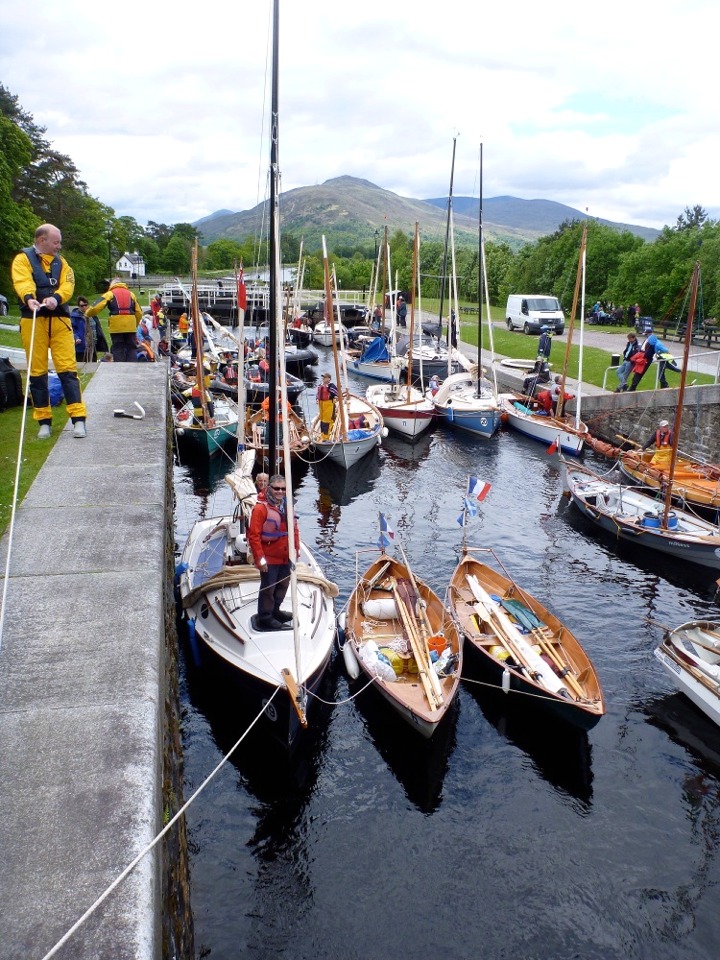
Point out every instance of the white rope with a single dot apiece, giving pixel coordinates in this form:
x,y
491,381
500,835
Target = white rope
x,y
341,703
16,485
153,843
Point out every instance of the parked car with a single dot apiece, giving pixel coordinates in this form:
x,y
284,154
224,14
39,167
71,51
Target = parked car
x,y
529,312
3,306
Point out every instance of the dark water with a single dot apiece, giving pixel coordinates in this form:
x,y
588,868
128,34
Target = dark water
x,y
508,836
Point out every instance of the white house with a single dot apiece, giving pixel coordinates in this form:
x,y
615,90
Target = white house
x,y
130,265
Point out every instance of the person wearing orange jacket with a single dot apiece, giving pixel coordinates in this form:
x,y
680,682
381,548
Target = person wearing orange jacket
x,y
44,283
125,315
269,543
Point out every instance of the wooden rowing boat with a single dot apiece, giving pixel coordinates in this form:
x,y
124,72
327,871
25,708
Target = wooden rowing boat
x,y
691,655
515,638
403,637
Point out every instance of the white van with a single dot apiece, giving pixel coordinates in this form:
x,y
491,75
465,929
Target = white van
x,y
529,312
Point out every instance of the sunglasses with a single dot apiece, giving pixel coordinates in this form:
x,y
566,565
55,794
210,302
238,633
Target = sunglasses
x,y
282,489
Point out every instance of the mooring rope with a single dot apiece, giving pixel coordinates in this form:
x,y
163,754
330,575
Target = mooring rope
x,y
131,866
16,484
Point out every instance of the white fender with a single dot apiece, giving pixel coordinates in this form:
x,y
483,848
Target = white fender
x,y
351,664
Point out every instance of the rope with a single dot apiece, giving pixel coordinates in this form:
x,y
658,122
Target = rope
x,y
106,893
16,484
341,703
522,693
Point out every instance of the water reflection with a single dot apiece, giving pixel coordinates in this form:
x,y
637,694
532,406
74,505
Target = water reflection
x,y
419,765
560,753
343,486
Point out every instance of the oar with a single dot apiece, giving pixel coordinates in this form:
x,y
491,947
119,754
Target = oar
x,y
417,653
422,638
532,661
530,621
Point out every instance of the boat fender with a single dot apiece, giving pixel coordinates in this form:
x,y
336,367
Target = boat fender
x,y
351,665
384,432
195,649
179,571
384,609
506,681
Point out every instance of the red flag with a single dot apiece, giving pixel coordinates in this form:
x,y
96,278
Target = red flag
x,y
241,291
553,447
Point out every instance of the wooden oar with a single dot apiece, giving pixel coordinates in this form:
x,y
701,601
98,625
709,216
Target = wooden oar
x,y
422,639
542,634
537,669
417,652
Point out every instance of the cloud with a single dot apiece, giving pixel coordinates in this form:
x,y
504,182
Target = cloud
x,y
167,116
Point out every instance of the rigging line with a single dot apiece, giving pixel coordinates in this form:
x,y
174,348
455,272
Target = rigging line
x,y
16,484
153,843
341,703
522,693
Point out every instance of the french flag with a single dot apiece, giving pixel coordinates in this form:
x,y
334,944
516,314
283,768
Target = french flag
x,y
478,489
387,534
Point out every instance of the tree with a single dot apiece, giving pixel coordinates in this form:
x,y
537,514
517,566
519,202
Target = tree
x,y
223,254
17,218
176,256
691,218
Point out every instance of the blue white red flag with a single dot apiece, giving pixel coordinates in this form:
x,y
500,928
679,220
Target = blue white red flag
x,y
477,490
387,534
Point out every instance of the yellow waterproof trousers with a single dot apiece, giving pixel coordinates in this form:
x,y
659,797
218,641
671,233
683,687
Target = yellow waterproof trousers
x,y
52,334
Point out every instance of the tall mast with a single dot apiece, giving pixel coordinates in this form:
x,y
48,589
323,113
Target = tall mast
x,y
447,242
480,274
681,390
274,246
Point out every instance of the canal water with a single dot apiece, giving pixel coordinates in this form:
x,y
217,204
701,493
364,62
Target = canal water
x,y
507,835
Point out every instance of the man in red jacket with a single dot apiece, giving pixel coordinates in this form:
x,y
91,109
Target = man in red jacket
x,y
268,539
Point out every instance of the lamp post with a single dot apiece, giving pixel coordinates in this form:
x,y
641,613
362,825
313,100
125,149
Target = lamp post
x,y
108,228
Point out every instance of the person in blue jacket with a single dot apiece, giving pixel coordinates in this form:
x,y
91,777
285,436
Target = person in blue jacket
x,y
664,357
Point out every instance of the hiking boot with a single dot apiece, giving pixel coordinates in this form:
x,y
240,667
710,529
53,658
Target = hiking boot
x,y
45,432
79,431
264,623
280,625
282,616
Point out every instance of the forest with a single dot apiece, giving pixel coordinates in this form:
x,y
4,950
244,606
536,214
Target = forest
x,y
40,185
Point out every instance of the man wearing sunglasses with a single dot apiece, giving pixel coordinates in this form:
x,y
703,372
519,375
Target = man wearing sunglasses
x,y
268,539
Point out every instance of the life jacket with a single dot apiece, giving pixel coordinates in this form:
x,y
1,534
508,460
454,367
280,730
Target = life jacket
x,y
121,302
639,362
325,393
45,283
663,439
272,527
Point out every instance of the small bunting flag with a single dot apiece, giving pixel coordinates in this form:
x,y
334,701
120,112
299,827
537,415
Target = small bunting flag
x,y
553,448
387,534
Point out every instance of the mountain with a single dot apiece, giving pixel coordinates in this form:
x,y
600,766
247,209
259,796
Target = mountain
x,y
352,212
539,217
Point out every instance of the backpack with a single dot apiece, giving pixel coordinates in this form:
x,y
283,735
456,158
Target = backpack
x,y
11,388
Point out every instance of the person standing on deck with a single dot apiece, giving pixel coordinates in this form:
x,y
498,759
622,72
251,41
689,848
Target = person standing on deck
x,y
44,283
269,543
326,397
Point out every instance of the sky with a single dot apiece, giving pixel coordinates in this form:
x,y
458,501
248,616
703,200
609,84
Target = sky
x,y
610,109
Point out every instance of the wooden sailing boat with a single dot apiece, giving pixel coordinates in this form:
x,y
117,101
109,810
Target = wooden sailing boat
x,y
203,426
691,656
525,414
519,642
404,408
466,400
399,633
635,513
357,427
218,584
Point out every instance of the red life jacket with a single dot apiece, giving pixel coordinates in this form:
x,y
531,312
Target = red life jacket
x,y
121,303
663,439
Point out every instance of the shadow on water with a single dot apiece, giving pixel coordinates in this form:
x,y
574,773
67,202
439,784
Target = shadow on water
x,y
560,753
419,765
344,486
688,727
408,453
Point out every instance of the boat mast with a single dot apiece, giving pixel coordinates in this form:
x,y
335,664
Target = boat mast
x,y
480,275
413,296
274,247
329,312
443,278
199,337
695,282
579,280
